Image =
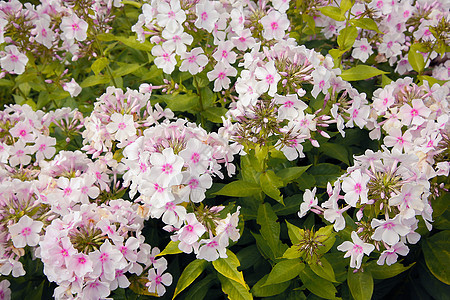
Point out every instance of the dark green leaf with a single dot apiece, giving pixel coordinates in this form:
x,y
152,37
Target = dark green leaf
x,y
361,72
385,271
437,257
261,290
324,173
317,285
292,173
190,273
233,289
198,291
360,284
239,188
270,184
214,114
285,270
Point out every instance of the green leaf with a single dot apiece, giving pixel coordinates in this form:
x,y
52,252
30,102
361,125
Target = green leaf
x,y
125,69
181,102
323,269
336,151
431,80
385,271
285,270
198,291
360,284
270,184
345,6
385,80
99,65
295,233
361,72
228,267
332,12
291,205
306,181
133,3
214,114
324,173
290,174
190,273
6,82
436,251
317,285
270,228
262,290
171,248
293,252
234,289
366,23
94,80
416,60
239,188
347,37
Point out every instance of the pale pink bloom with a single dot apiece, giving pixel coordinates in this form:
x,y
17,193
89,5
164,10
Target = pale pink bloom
x,y
172,214
158,280
4,152
43,34
13,61
95,290
220,74
24,131
383,98
61,252
193,61
165,58
268,77
197,156
333,214
170,15
87,188
246,88
409,200
5,292
166,167
389,230
25,232
390,255
106,260
321,77
404,66
228,226
362,50
122,126
196,186
243,40
224,54
359,113
43,147
294,150
120,280
74,28
177,41
19,154
13,266
355,250
237,20
190,232
3,24
129,249
72,87
355,188
290,106
212,249
414,115
80,264
281,5
390,47
274,25
398,140
207,15
309,200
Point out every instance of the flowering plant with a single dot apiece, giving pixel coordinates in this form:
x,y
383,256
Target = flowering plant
x,y
196,148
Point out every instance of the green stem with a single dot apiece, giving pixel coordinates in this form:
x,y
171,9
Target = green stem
x,y
202,119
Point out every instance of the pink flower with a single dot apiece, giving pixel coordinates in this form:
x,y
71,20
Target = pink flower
x,y
44,147
106,260
95,290
355,250
170,15
166,167
5,292
223,52
165,58
309,200
274,25
268,77
80,264
122,126
212,249
220,73
355,188
25,232
362,50
390,255
72,87
190,232
207,15
74,28
193,61
13,61
389,230
158,280
414,115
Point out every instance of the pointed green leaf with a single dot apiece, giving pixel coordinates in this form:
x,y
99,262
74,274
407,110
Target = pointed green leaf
x,y
190,273
262,290
214,114
270,184
290,174
295,233
361,72
436,250
292,252
366,23
94,80
99,65
171,248
345,6
228,268
285,270
324,269
385,271
347,38
332,12
234,289
416,60
270,228
360,284
198,291
336,151
317,285
125,69
239,188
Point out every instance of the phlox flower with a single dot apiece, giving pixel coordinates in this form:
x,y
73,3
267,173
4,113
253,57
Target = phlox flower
x,y
190,232
122,126
213,248
223,52
274,24
158,280
106,260
281,5
170,15
220,74
193,61
166,167
398,140
290,106
196,186
4,152
243,40
5,292
177,41
362,50
228,226
95,290
74,28
321,77
43,33
309,200
80,264
43,147
355,250
197,155
207,15
414,115
389,230
355,188
172,214
268,77
20,154
165,58
13,61
72,87
24,131
390,255
25,232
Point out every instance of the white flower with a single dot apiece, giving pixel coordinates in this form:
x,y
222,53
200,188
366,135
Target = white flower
x,y
165,59
220,73
356,250
14,61
309,200
193,61
362,50
72,87
207,16
25,232
74,28
122,126
274,25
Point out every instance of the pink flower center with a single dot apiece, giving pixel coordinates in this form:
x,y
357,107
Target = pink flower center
x,y
67,191
288,104
170,206
358,249
321,84
158,188
81,260
204,16
389,45
274,25
14,58
224,53
171,14
388,225
103,257
42,147
195,158
221,75
358,188
26,231
167,168
193,183
269,79
363,48
23,132
355,113
122,126
158,280
192,59
190,228
44,32
75,27
414,112
212,244
242,39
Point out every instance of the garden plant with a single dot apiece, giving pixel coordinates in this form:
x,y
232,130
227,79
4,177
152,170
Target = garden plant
x,y
241,149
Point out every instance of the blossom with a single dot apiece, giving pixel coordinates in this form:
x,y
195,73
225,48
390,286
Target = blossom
x,y
5,292
212,249
177,40
193,61
220,73
74,28
122,126
308,201
268,77
25,232
355,250
13,61
165,58
362,50
274,24
355,188
193,229
158,280
223,52
207,16
72,87
106,260
44,147
170,15
390,255
389,230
